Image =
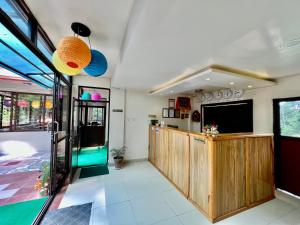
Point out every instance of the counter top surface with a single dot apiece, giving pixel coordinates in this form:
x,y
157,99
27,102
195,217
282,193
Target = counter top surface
x,y
218,137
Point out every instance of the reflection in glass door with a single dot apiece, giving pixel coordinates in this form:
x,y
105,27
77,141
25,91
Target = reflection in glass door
x,y
61,134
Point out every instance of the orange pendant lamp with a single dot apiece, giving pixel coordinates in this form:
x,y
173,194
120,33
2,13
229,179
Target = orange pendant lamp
x,y
74,52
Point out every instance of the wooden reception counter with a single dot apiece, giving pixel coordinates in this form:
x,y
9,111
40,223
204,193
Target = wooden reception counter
x,y
221,175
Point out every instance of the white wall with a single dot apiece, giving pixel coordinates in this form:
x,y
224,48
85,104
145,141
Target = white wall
x,y
116,123
137,109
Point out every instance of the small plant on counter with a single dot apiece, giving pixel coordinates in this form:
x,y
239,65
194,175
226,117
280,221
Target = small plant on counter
x,y
210,130
118,155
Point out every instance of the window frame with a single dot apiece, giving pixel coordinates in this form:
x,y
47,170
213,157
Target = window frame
x,y
31,42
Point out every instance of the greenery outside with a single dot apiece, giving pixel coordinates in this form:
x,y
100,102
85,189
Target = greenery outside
x,y
290,119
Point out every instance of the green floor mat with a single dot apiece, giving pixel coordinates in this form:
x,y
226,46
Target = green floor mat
x,y
93,171
21,213
92,156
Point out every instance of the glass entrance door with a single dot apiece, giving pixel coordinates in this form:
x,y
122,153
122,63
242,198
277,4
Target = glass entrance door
x,y
61,132
287,144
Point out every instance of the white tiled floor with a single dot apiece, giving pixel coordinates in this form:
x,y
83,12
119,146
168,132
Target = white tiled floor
x,y
139,195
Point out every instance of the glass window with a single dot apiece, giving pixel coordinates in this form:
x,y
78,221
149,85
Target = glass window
x,y
63,113
290,118
24,61
24,112
5,111
16,15
42,45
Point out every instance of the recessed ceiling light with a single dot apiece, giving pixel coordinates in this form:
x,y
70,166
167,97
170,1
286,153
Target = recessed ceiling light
x,y
171,91
250,86
231,83
207,78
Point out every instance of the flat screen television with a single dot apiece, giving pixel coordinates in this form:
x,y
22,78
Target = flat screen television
x,y
231,117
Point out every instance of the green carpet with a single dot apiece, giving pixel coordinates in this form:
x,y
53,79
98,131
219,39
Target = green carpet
x,y
92,156
21,213
93,171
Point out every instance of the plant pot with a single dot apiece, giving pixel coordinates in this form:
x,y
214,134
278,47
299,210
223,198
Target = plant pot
x,y
119,160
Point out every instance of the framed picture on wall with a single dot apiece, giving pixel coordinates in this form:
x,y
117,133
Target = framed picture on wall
x,y
165,112
171,103
171,113
177,113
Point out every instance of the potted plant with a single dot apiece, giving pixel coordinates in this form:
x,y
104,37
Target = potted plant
x,y
43,180
118,155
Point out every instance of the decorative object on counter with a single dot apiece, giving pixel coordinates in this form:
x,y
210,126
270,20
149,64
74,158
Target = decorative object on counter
x,y
196,116
214,130
165,112
73,55
186,115
210,130
118,155
85,96
96,96
206,130
171,103
98,64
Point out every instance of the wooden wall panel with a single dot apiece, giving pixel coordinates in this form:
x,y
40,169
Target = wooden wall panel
x,y
260,169
199,172
230,176
179,160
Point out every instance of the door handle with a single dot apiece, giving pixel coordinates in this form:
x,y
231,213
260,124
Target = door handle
x,y
56,127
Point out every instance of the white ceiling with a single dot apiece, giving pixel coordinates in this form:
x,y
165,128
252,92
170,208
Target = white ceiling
x,y
165,38
106,19
211,80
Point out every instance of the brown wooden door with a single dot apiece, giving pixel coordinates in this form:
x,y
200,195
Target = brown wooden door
x,y
287,144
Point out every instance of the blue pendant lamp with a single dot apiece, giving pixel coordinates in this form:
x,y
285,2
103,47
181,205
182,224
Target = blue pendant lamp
x,y
98,64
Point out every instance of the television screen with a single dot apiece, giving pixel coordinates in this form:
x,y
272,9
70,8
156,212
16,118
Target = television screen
x,y
231,117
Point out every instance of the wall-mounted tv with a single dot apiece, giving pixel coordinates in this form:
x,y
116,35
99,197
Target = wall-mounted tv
x,y
231,117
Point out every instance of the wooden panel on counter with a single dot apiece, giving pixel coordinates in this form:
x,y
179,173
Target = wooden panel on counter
x,y
152,144
199,172
230,176
161,151
260,169
179,160
220,175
